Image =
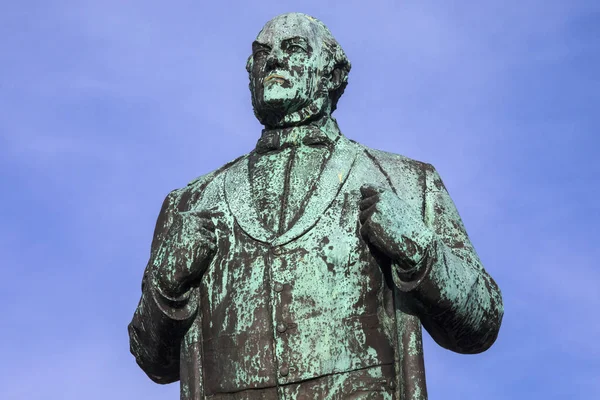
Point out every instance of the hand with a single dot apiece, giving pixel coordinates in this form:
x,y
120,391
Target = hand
x,y
186,252
392,226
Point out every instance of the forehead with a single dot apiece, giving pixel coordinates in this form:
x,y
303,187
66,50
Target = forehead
x,y
289,26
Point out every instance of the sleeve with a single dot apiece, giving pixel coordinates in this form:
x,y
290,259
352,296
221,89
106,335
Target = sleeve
x,y
160,322
457,301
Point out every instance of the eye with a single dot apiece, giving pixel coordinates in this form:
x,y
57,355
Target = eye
x,y
295,48
261,53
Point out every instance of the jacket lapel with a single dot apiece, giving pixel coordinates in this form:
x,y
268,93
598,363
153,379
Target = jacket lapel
x,y
241,204
238,195
328,185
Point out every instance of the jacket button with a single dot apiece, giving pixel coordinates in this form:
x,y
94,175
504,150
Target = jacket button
x,y
281,327
278,287
277,251
284,370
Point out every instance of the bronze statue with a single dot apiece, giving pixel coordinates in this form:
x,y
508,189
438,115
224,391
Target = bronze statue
x,y
304,269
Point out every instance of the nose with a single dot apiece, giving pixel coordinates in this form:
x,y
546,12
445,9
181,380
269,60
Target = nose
x,y
274,59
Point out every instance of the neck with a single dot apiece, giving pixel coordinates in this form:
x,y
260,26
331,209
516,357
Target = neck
x,y
326,124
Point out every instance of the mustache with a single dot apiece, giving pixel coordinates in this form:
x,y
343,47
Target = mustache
x,y
275,76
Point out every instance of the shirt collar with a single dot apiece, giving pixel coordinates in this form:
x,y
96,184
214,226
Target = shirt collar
x,y
296,136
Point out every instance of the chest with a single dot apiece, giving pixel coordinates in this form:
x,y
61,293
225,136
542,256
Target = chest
x,y
282,182
311,300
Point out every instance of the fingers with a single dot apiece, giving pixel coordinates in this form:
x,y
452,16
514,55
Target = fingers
x,y
208,235
368,205
367,191
209,213
207,224
368,202
204,214
366,214
365,231
370,190
200,218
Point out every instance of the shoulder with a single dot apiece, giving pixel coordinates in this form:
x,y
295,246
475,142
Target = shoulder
x,y
184,197
402,172
200,182
394,164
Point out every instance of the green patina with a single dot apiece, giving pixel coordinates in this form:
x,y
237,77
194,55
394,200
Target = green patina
x,y
307,268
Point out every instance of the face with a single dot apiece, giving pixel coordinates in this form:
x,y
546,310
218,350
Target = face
x,y
286,66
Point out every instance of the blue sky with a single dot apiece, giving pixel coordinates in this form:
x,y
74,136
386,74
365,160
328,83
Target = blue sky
x,y
106,106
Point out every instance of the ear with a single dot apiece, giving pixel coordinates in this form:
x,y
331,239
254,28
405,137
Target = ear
x,y
338,66
249,63
336,79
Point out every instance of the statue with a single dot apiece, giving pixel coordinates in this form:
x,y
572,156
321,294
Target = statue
x,y
305,269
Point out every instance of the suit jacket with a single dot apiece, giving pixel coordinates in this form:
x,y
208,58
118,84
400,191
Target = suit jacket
x,y
314,312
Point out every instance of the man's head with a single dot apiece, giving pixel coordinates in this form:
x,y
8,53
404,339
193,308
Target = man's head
x,y
298,71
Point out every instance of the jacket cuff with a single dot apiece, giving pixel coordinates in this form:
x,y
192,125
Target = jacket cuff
x,y
407,280
179,308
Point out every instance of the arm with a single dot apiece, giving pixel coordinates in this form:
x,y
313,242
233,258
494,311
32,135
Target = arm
x,y
160,321
458,303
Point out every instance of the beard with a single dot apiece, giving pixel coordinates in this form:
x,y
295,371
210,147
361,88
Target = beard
x,y
283,113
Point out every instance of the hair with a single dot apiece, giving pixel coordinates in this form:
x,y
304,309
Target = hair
x,y
337,61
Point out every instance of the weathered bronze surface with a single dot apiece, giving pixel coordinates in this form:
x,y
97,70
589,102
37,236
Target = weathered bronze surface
x,y
305,269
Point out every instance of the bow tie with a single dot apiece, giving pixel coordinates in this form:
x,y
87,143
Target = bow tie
x,y
279,139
